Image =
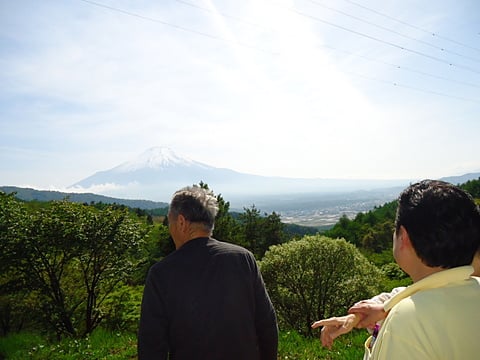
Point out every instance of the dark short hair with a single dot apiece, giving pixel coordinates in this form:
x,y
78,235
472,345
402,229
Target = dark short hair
x,y
196,204
442,221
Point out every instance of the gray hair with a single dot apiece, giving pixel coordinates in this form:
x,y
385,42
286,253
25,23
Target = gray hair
x,y
196,204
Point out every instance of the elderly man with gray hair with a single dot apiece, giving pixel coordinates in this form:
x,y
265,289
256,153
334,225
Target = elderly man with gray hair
x,y
207,299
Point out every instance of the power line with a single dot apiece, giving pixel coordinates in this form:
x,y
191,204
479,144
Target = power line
x,y
142,17
129,13
330,47
294,10
396,84
401,67
224,15
394,32
412,26
263,50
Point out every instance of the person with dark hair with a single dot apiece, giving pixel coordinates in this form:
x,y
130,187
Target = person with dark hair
x,y
366,314
437,233
207,299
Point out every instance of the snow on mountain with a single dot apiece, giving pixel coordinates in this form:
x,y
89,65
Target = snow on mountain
x,y
154,174
158,172
156,167
156,158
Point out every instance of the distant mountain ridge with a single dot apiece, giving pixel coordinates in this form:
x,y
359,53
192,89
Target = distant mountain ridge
x,y
28,194
319,209
158,172
456,180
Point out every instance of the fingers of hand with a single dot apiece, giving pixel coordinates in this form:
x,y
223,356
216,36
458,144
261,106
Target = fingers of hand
x,y
326,336
326,322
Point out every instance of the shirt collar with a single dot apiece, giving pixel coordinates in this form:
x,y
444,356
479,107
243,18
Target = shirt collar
x,y
436,280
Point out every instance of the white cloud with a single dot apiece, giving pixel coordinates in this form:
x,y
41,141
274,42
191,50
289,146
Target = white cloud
x,y
89,88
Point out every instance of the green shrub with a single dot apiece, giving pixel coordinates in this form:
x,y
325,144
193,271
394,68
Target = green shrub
x,y
315,278
122,309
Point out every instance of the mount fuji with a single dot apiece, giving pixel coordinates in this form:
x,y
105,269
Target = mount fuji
x,y
158,172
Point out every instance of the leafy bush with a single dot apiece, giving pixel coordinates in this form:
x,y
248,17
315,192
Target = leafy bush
x,y
71,255
317,277
122,309
393,271
395,277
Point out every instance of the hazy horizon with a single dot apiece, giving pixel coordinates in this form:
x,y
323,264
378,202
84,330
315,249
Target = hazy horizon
x,y
330,89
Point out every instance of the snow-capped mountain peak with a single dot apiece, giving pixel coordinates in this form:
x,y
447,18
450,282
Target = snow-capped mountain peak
x,y
159,172
155,158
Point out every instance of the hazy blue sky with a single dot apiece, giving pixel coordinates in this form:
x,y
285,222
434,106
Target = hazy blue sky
x,y
308,88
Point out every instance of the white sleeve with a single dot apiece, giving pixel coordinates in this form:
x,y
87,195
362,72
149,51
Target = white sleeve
x,y
381,298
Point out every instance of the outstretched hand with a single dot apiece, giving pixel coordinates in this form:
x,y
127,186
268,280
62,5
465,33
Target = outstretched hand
x,y
334,327
369,311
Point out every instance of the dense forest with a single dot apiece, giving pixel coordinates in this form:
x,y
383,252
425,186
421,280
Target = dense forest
x,y
68,268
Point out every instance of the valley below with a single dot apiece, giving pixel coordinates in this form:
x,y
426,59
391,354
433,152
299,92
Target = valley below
x,y
320,210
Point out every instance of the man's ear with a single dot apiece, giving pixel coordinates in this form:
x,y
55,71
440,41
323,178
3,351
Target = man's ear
x,y
404,238
182,221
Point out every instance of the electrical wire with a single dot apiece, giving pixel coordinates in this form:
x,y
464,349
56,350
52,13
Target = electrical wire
x,y
143,17
404,68
389,43
396,84
393,31
432,33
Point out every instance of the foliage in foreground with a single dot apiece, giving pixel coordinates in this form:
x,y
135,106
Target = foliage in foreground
x,y
72,256
102,344
316,278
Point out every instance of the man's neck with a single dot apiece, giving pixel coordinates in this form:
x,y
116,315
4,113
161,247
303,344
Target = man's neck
x,y
192,235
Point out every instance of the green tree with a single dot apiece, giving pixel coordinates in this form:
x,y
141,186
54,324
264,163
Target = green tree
x,y
158,244
226,227
395,276
74,255
122,309
46,259
315,278
347,229
13,222
164,244
379,237
273,232
251,233
472,187
109,247
371,231
259,232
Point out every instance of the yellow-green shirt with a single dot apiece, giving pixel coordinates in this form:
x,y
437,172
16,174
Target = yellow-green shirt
x,y
437,317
